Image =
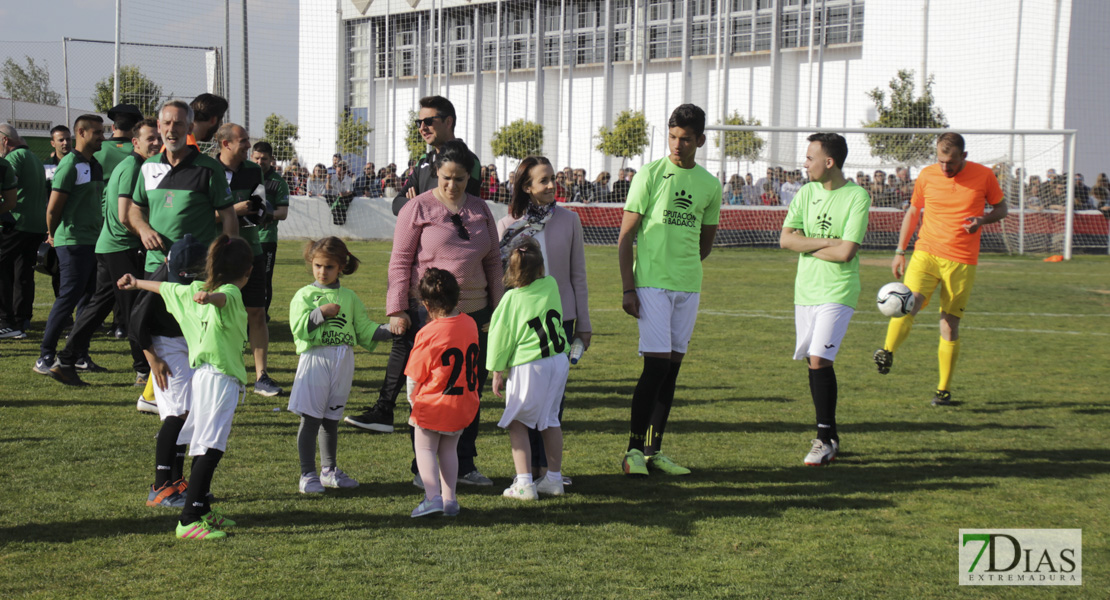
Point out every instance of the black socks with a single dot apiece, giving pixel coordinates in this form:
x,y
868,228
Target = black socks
x,y
644,399
662,410
822,386
200,482
165,452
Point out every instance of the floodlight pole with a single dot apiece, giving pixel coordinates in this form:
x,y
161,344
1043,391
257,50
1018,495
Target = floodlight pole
x,y
115,78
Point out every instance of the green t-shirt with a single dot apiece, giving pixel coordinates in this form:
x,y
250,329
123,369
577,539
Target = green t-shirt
x,y
215,335
838,214
277,192
82,216
351,327
675,204
114,237
8,178
243,184
30,209
182,199
526,326
111,154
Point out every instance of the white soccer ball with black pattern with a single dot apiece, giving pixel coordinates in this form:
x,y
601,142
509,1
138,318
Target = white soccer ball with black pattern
x,y
895,300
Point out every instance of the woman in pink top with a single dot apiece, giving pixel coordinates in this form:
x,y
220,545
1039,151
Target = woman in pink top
x,y
448,229
534,214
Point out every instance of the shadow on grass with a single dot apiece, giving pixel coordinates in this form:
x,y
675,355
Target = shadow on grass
x,y
679,505
703,426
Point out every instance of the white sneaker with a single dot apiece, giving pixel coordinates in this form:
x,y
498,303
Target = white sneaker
x,y
148,407
334,478
549,486
521,491
310,484
821,454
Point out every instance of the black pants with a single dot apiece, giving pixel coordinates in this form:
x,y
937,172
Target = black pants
x,y
269,250
17,275
395,380
109,268
339,206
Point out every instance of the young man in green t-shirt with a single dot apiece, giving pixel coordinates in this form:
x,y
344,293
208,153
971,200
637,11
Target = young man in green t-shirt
x,y
673,208
73,220
277,192
118,252
118,147
22,232
245,179
825,225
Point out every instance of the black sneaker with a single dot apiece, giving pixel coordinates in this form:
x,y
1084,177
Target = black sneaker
x,y
10,333
375,418
86,365
65,375
266,386
884,359
942,398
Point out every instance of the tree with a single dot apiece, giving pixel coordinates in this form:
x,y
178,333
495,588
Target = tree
x,y
905,111
519,139
351,136
281,134
413,140
627,138
134,88
741,145
28,85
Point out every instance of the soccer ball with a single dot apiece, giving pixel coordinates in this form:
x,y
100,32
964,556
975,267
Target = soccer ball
x,y
895,300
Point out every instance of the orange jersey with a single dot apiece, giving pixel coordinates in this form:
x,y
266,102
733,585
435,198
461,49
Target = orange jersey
x,y
189,141
444,365
947,203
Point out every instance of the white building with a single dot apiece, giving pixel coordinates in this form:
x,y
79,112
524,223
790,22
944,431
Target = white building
x,y
996,64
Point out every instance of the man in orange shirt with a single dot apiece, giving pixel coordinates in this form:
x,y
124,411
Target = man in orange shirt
x,y
952,194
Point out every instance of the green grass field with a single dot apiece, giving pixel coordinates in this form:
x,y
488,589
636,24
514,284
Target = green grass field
x,y
1025,448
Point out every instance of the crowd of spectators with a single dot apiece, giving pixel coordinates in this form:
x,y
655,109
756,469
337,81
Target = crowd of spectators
x,y
776,188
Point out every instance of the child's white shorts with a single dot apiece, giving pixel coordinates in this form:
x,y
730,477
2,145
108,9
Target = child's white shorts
x,y
215,397
533,392
820,329
323,382
175,400
666,319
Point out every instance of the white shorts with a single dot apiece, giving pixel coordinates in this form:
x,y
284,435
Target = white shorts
x,y
323,382
215,397
666,319
175,400
533,392
820,329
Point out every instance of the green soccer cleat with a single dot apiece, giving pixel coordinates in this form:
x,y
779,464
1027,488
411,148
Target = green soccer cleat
x,y
216,518
199,530
660,462
634,463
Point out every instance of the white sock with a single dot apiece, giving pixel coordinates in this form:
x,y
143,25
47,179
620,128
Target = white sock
x,y
554,475
525,478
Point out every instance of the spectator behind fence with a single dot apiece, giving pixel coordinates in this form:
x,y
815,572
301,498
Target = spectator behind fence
x,y
560,187
1082,194
1100,198
317,184
790,187
621,185
368,184
600,190
734,191
750,192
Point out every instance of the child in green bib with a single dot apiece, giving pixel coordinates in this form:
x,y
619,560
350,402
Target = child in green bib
x,y
214,323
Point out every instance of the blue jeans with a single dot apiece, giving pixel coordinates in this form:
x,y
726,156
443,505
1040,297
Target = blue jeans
x,y
77,277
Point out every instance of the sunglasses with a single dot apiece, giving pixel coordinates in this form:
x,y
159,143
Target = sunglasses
x,y
459,228
428,122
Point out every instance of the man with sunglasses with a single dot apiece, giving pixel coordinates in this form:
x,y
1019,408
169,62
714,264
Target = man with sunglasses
x,y
436,122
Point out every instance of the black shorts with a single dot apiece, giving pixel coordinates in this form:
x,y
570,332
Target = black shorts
x,y
254,293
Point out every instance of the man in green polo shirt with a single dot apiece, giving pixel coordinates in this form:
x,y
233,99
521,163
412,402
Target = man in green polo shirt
x,y
246,180
73,221
825,226
277,192
118,252
22,231
180,191
673,208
